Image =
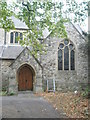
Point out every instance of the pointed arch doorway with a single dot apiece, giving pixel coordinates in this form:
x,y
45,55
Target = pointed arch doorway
x,y
25,78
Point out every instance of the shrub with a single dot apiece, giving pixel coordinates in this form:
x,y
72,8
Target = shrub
x,y
3,93
86,92
11,93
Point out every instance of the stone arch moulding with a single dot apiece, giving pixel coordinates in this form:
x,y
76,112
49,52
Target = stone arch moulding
x,y
33,74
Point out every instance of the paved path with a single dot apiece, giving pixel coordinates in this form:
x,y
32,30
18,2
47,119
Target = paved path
x,y
28,106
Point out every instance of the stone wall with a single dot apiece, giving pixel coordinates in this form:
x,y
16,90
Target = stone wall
x,y
66,80
4,73
25,58
1,36
0,76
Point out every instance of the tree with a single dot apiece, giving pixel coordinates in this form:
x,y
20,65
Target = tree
x,y
39,14
5,18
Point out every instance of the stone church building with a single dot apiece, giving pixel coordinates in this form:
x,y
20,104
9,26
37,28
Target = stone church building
x,y
65,62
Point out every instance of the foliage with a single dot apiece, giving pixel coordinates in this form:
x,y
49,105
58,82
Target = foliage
x,y
3,93
76,12
86,92
3,88
5,16
89,8
11,93
38,15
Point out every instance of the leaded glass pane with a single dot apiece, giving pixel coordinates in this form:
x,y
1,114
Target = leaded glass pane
x,y
61,45
71,46
21,36
66,58
66,42
60,60
16,36
72,60
11,38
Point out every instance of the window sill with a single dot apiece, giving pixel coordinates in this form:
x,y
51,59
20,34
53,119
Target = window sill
x,y
14,44
67,71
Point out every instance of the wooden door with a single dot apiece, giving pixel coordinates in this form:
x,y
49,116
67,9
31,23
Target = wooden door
x,y
25,79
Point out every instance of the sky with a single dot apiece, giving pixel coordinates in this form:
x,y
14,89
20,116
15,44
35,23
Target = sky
x,y
55,0
84,27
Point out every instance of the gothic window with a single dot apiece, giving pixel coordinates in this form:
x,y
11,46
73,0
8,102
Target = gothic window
x,y
14,37
66,58
60,59
21,36
66,55
11,37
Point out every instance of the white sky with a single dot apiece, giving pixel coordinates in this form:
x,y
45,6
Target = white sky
x,y
85,27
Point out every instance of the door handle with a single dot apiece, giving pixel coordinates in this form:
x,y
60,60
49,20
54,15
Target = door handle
x,y
26,80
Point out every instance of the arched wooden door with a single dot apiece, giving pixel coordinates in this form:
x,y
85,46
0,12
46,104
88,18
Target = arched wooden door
x,y
25,79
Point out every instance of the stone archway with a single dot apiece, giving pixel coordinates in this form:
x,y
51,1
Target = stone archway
x,y
25,76
24,59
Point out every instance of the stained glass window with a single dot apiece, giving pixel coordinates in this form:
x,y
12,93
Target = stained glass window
x,y
66,55
16,36
60,60
72,60
21,36
61,45
66,58
66,41
71,46
11,38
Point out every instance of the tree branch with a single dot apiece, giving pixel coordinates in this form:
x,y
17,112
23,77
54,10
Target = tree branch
x,y
27,6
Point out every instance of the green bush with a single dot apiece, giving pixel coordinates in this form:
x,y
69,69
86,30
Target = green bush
x,y
86,92
3,88
3,93
11,93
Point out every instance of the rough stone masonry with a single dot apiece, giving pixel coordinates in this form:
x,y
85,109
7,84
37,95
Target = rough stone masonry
x,y
13,57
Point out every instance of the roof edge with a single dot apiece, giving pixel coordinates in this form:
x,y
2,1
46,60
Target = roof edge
x,y
31,54
7,58
78,30
74,27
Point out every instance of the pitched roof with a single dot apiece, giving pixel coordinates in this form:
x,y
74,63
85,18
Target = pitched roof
x,y
31,54
79,30
10,52
19,24
77,27
13,52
